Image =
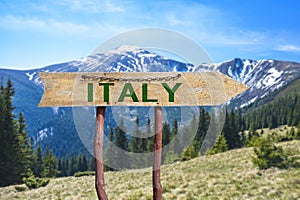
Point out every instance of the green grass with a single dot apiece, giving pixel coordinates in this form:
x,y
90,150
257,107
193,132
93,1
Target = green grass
x,y
280,130
229,175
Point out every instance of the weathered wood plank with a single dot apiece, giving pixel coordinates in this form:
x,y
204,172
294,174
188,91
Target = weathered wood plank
x,y
138,89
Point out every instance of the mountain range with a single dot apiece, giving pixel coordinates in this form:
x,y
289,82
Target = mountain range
x,y
55,126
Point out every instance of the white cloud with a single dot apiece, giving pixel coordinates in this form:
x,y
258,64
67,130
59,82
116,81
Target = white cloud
x,y
91,5
235,38
48,25
173,21
110,7
288,47
53,27
209,25
205,24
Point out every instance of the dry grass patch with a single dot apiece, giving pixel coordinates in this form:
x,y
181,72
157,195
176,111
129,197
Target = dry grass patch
x,y
229,175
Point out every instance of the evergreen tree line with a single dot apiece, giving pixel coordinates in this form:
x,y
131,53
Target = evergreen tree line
x,y
18,160
68,166
176,148
230,137
139,142
282,111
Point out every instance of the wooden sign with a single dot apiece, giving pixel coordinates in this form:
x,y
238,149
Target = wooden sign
x,y
138,89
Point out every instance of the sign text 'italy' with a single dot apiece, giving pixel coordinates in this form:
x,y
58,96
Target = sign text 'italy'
x,y
138,89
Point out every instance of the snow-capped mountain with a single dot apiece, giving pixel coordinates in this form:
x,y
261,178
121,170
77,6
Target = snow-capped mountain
x,y
261,76
122,59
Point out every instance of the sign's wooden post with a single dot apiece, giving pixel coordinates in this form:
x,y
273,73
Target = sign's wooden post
x,y
157,188
98,152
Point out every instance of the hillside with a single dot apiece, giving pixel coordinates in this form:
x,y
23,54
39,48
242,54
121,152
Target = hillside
x,y
288,90
229,175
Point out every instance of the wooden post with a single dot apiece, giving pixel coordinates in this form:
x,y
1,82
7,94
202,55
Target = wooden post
x,y
157,188
98,153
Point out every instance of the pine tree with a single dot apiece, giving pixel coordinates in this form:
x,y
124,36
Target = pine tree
x,y
79,163
174,129
135,145
38,166
240,126
84,163
201,131
49,164
121,140
214,129
9,169
72,165
202,128
166,134
144,144
92,164
66,167
189,153
230,131
220,146
16,155
177,143
109,153
60,168
24,149
149,140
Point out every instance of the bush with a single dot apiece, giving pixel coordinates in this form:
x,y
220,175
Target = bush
x,y
267,155
219,147
34,182
86,173
21,188
297,135
253,139
189,153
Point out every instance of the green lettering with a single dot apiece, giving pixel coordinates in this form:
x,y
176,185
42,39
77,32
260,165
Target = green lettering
x,y
124,93
145,94
90,92
171,91
106,90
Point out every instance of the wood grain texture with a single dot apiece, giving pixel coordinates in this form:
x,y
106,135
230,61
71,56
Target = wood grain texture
x,y
205,88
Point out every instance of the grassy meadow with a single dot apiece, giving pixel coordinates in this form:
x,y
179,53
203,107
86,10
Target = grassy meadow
x,y
229,175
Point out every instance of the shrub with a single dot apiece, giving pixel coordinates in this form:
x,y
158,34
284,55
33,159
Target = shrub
x,y
219,147
21,188
189,153
34,182
297,134
86,173
267,155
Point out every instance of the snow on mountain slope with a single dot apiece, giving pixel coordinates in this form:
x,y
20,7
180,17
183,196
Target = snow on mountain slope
x,y
122,59
261,76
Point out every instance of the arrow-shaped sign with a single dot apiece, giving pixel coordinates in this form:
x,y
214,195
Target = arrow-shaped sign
x,y
138,89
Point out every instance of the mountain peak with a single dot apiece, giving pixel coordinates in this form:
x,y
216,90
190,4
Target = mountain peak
x,y
123,49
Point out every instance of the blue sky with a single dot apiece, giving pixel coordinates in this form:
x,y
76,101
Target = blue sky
x,y
38,33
